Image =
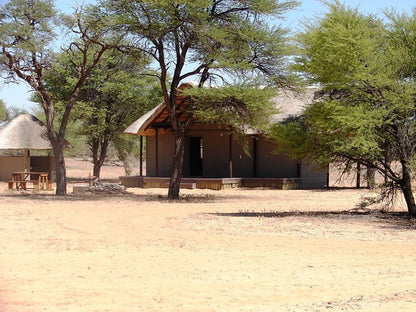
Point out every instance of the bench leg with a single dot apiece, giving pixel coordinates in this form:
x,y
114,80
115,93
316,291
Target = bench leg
x,y
20,185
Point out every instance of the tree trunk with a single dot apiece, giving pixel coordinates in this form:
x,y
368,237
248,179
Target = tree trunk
x,y
358,182
127,167
371,181
176,174
99,153
123,155
406,186
97,169
60,172
58,145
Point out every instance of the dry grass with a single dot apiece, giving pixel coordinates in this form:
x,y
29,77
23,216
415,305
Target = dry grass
x,y
233,250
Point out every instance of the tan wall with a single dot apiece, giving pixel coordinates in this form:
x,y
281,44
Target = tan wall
x,y
150,156
338,177
215,161
9,164
166,152
271,165
243,164
215,153
313,176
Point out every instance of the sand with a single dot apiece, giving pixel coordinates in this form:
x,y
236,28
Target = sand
x,y
233,250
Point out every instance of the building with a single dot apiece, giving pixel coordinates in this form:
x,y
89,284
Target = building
x,y
213,159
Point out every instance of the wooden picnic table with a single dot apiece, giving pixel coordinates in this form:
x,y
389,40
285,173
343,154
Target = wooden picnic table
x,y
39,179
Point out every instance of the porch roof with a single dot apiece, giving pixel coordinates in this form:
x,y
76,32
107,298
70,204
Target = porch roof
x,y
158,117
288,103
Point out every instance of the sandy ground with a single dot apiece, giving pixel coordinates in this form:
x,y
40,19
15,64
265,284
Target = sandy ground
x,y
234,250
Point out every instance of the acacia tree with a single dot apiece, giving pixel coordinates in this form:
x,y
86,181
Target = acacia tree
x,y
3,111
203,40
366,110
27,31
118,89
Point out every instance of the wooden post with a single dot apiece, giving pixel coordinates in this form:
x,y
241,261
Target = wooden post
x,y
230,154
141,155
358,184
157,152
327,179
254,156
26,160
298,169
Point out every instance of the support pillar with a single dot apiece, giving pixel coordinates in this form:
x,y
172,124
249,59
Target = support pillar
x,y
157,152
230,154
141,155
254,156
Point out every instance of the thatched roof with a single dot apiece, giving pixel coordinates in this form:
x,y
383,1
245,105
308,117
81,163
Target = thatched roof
x,y
289,104
159,117
292,105
24,132
139,127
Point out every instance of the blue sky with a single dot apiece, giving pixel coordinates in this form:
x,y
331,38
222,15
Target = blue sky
x,y
18,95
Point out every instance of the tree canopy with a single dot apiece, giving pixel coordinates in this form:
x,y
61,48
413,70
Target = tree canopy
x,y
3,111
211,42
118,89
27,31
365,111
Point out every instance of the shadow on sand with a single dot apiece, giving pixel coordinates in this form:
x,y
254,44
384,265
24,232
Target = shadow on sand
x,y
194,198
386,219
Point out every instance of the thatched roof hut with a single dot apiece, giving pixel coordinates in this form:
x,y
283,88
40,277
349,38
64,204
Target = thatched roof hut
x,y
25,132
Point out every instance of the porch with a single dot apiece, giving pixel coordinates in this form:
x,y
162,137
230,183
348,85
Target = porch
x,y
212,183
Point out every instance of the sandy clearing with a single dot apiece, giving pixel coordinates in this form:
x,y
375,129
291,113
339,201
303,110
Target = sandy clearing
x,y
234,250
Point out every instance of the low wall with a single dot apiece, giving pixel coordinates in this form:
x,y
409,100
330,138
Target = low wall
x,y
213,183
9,164
281,184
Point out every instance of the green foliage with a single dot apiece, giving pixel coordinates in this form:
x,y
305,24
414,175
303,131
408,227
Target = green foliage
x,y
27,29
292,137
339,46
76,139
4,114
214,38
368,83
116,92
211,42
367,107
238,106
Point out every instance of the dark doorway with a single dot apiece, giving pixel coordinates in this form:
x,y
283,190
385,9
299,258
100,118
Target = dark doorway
x,y
195,156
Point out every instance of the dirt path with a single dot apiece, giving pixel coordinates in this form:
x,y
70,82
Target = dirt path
x,y
237,250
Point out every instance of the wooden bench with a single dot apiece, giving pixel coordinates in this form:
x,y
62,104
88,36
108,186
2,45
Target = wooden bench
x,y
42,185
23,185
18,185
35,184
